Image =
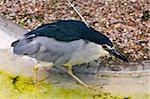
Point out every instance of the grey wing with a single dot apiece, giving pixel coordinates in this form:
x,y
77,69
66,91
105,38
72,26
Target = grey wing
x,y
56,51
59,52
45,49
57,58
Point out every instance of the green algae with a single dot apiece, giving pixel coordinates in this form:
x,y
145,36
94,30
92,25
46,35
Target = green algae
x,y
20,87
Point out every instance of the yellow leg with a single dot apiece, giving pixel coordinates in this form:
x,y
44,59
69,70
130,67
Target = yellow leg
x,y
78,80
75,77
35,69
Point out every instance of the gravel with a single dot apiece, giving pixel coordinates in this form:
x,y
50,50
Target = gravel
x,y
126,22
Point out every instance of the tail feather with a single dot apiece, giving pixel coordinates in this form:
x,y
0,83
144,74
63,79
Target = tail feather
x,y
13,44
25,46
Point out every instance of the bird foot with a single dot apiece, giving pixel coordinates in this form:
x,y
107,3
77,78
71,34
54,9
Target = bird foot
x,y
91,88
43,79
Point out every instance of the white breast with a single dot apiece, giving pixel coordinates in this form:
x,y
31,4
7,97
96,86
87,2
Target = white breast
x,y
89,52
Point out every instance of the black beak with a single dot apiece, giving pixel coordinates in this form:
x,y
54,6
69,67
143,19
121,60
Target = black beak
x,y
118,55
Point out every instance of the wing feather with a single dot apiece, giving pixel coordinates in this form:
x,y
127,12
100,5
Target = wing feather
x,y
70,30
57,30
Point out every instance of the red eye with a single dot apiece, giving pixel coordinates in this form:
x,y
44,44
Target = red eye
x,y
104,46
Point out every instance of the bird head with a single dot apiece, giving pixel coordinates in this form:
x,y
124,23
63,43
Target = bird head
x,y
114,52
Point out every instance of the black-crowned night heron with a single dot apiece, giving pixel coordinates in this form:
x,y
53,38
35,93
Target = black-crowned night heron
x,y
65,42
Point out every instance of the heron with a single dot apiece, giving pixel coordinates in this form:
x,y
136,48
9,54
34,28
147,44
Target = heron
x,y
65,43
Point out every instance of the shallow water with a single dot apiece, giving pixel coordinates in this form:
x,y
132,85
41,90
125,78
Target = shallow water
x,y
123,83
